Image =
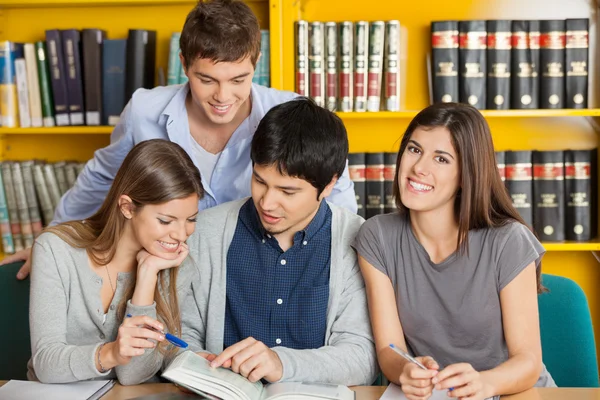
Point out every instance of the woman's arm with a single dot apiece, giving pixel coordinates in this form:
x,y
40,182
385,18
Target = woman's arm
x,y
521,371
387,329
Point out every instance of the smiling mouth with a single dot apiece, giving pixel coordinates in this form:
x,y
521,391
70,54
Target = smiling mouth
x,y
169,246
420,187
221,108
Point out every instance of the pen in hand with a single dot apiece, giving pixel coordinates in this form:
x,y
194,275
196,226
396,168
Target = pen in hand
x,y
174,340
410,358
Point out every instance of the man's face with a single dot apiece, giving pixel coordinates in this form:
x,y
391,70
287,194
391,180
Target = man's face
x,y
220,89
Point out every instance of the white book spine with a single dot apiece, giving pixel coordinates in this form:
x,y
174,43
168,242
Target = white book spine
x,y
33,85
22,93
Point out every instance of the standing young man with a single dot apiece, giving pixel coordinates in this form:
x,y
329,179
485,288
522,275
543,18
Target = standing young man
x,y
213,118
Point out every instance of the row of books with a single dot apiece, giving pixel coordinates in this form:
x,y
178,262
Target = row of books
x,y
29,193
73,77
262,73
554,191
350,66
511,64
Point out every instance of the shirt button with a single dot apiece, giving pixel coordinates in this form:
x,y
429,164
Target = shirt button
x,y
305,243
279,301
112,306
278,341
283,262
269,236
263,240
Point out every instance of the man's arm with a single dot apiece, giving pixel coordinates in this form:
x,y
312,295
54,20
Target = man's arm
x,y
349,358
343,193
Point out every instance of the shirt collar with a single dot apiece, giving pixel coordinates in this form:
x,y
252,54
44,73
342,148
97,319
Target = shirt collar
x,y
249,216
176,107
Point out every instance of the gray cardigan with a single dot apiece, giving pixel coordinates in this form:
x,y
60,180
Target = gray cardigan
x,y
65,317
348,356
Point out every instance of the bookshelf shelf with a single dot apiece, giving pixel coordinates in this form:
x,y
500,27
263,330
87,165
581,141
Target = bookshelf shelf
x,y
84,3
487,113
572,246
61,130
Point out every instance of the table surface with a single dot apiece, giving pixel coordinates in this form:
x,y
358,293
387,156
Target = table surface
x,y
119,392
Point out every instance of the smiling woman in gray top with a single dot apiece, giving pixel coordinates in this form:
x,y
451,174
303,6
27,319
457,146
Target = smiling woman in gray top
x,y
453,276
87,275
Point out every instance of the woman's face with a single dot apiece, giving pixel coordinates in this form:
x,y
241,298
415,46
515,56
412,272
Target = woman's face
x,y
429,173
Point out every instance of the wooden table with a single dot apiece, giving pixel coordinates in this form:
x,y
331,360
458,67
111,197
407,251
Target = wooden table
x,y
119,392
368,392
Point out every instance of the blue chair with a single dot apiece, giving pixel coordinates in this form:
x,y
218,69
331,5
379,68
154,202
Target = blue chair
x,y
14,320
568,345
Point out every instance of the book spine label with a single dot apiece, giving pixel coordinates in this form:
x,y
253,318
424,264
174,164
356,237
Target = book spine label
x,y
357,171
552,57
576,63
472,48
498,65
392,66
346,58
361,54
58,78
375,184
302,58
44,81
331,79
375,65
519,183
549,195
578,192
445,61
316,60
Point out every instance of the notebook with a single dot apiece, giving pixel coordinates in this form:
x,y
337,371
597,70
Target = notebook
x,y
393,392
27,390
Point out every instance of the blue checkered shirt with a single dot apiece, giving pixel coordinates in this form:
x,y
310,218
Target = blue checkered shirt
x,y
277,297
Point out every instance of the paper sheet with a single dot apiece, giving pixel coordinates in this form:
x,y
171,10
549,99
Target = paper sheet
x,y
393,392
26,390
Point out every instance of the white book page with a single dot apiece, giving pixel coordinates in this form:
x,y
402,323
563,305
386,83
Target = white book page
x,y
195,371
25,390
299,390
393,392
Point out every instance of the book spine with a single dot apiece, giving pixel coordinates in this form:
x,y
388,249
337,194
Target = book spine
x,y
52,184
578,193
70,174
91,40
33,86
316,52
552,59
302,58
71,40
375,184
519,182
549,195
533,43
331,79
22,207
501,164
58,77
61,178
113,80
22,93
392,66
361,49
7,239
11,204
445,61
576,63
8,86
472,49
174,62
265,60
32,202
44,81
41,189
523,75
357,171
498,64
150,60
389,173
375,65
346,58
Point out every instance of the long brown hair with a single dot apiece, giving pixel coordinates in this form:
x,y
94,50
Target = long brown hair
x,y
482,200
154,172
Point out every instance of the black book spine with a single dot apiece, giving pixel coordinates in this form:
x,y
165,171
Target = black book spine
x,y
549,195
92,40
552,64
135,70
389,174
114,69
501,164
445,61
71,39
576,63
150,60
524,75
499,46
357,170
472,55
519,182
533,43
58,77
375,180
578,192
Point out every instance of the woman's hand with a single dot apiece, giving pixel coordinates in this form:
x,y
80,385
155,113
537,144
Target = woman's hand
x,y
147,261
416,383
133,338
466,383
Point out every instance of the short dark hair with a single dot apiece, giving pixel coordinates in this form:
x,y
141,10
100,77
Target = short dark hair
x,y
303,140
222,31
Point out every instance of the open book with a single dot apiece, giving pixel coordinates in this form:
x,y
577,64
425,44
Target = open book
x,y
194,373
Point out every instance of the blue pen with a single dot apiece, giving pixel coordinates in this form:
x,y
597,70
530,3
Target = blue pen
x,y
174,340
410,358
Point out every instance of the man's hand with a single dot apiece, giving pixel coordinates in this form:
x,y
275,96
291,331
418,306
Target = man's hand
x,y
21,255
251,359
